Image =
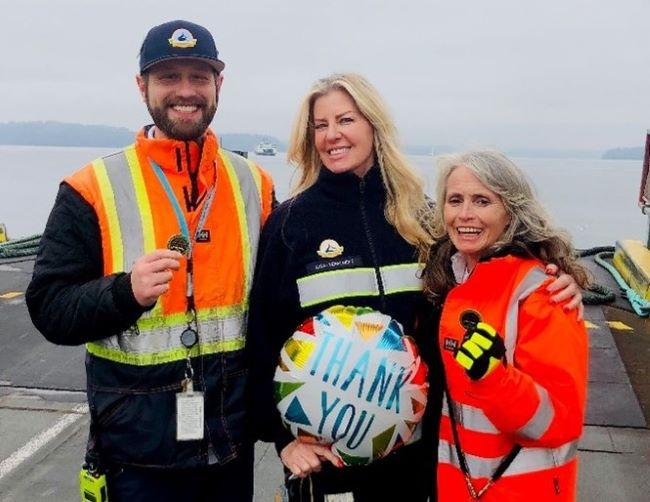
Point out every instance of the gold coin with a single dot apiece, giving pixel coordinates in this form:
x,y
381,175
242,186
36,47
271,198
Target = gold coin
x,y
179,243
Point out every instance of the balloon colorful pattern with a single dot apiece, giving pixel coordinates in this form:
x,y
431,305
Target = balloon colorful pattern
x,y
350,378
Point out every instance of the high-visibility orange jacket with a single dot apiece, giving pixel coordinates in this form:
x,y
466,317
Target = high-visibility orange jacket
x,y
133,375
536,400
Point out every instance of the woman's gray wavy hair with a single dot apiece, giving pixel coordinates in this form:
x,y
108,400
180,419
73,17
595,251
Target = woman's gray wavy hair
x,y
530,227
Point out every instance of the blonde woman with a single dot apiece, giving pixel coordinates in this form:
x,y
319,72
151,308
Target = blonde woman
x,y
357,205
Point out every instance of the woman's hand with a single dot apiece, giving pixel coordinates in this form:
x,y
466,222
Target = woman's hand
x,y
304,458
565,289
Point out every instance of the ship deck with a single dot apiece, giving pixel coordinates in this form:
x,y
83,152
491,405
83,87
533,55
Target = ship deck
x,y
44,420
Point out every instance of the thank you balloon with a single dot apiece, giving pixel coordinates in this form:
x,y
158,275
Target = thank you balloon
x,y
350,378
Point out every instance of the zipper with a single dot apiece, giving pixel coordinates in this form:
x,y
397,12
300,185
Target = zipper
x,y
371,245
191,196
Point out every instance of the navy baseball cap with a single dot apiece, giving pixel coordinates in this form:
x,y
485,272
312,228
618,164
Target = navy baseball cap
x,y
179,40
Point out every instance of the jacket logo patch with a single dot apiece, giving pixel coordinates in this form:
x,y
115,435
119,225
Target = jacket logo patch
x,y
329,248
204,236
450,344
322,266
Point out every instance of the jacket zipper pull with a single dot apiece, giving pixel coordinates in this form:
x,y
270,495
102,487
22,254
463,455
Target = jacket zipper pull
x,y
556,485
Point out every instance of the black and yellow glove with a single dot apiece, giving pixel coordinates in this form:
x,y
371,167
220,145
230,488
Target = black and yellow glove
x,y
481,352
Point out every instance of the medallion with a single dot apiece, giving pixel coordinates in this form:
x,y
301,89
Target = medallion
x,y
179,243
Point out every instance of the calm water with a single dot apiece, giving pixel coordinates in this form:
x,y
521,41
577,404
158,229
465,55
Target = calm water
x,y
594,199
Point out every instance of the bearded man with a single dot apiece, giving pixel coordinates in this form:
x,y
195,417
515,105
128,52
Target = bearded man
x,y
147,258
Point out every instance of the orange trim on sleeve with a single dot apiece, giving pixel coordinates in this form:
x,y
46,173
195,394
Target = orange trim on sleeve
x,y
85,183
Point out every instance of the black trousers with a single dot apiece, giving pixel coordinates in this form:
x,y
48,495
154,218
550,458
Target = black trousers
x,y
232,482
408,475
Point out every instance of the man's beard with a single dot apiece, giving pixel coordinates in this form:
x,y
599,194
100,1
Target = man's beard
x,y
179,129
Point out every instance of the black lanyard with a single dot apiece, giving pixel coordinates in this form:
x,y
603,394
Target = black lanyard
x,y
462,460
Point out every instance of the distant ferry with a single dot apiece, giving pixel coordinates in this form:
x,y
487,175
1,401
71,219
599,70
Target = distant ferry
x,y
265,148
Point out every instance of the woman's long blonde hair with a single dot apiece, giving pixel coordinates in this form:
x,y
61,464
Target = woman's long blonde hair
x,y
406,206
530,229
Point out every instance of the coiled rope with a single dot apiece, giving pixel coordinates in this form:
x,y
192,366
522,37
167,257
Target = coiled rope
x,y
598,294
639,304
17,248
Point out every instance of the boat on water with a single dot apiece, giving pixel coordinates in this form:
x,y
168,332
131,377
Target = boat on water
x,y
266,148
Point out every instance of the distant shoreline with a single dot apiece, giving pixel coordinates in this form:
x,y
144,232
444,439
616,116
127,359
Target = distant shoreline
x,y
60,134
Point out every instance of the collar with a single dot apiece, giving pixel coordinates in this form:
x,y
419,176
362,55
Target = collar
x,y
181,156
459,267
346,187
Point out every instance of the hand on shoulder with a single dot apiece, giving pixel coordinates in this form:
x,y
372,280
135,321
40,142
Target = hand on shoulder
x,y
564,289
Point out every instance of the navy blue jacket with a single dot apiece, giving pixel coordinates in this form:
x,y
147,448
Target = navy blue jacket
x,y
350,211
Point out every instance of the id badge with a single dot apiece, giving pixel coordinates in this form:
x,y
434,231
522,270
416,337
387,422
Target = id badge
x,y
339,497
189,414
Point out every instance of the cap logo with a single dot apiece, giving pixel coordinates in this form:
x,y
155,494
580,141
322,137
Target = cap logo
x,y
182,38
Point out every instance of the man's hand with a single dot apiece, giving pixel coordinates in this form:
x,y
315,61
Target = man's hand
x,y
482,350
151,274
565,289
304,458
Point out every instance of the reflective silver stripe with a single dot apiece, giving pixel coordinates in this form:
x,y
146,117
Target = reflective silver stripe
x,y
168,338
326,286
128,213
252,200
334,284
470,417
224,329
474,419
528,459
533,280
541,420
399,278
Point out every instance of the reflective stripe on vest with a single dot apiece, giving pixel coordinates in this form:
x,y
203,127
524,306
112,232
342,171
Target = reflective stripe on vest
x,y
474,419
528,459
247,185
125,197
163,346
156,337
334,284
541,420
533,280
470,417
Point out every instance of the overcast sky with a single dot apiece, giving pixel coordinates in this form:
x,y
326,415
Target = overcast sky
x,y
571,74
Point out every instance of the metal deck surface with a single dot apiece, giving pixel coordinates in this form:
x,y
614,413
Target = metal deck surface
x,y
43,420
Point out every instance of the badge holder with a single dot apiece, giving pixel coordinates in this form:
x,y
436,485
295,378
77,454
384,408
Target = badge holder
x,y
190,405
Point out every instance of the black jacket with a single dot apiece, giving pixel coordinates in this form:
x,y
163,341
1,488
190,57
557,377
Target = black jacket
x,y
69,299
349,210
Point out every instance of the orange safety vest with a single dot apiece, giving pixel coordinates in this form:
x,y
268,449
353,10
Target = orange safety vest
x,y
536,401
136,217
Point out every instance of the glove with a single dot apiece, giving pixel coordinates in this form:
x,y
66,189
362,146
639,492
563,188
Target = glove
x,y
481,352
